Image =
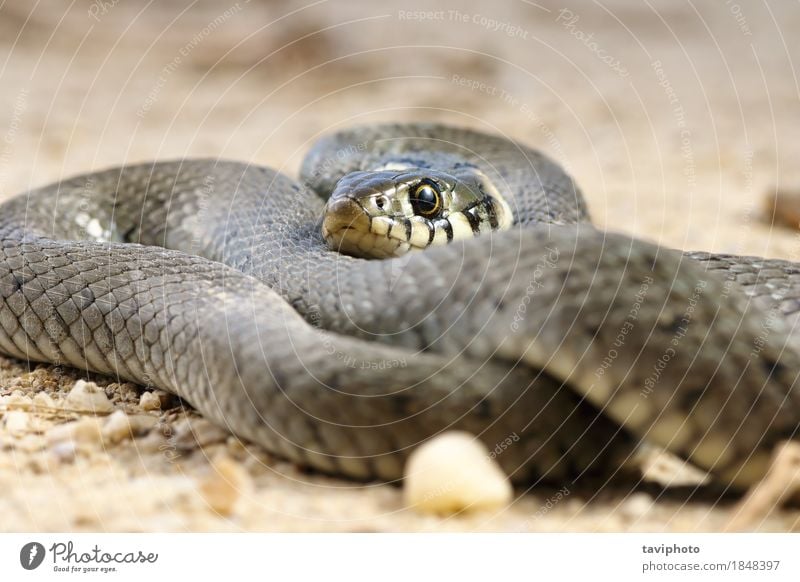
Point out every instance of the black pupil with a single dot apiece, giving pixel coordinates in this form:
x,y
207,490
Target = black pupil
x,y
426,198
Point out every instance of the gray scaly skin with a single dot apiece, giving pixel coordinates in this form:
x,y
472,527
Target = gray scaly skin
x,y
210,279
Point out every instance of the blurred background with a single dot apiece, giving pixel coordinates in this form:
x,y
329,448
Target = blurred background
x,y
676,117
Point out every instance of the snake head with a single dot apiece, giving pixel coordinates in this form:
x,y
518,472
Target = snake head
x,y
398,208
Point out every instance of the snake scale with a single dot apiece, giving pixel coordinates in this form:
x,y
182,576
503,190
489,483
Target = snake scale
x,y
210,279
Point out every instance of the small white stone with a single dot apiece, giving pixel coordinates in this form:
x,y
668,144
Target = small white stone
x,y
149,401
142,423
43,400
121,426
64,451
17,400
17,422
88,397
117,427
85,430
452,473
225,484
637,506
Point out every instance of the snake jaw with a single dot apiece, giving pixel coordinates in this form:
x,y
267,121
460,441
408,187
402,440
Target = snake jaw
x,y
349,229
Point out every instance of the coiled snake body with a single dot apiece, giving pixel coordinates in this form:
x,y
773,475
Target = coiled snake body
x,y
210,279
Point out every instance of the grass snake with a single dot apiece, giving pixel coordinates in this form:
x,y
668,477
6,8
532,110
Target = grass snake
x,y
211,279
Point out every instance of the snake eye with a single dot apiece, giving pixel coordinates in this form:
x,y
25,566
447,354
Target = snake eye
x,y
426,200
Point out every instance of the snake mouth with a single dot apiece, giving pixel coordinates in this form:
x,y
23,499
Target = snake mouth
x,y
343,226
347,228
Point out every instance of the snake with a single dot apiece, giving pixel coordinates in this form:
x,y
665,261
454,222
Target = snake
x,y
481,299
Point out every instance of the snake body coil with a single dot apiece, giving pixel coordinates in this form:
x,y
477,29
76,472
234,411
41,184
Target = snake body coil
x,y
210,279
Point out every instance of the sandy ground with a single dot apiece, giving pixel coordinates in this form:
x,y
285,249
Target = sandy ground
x,y
676,118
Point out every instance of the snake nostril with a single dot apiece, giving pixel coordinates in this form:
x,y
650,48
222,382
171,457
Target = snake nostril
x,y
380,202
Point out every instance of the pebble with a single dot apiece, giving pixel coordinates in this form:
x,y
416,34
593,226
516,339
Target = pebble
x,y
783,207
64,451
43,400
16,400
637,506
142,423
120,426
117,427
88,397
85,430
781,484
452,473
667,469
225,484
17,422
153,442
150,401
